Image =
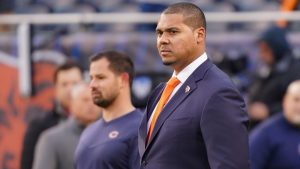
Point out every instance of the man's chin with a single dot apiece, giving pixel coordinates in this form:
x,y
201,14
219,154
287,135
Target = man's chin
x,y
296,121
168,63
102,103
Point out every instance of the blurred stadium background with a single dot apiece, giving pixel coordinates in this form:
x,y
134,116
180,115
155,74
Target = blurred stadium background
x,y
36,35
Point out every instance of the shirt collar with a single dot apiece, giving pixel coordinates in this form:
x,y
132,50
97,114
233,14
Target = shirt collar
x,y
189,69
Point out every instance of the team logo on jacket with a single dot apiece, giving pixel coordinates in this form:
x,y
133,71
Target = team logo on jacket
x,y
113,134
187,89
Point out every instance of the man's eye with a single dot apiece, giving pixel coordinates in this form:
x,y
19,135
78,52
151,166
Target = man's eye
x,y
101,77
158,33
173,32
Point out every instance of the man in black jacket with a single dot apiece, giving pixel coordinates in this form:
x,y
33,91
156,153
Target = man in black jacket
x,y
268,88
65,77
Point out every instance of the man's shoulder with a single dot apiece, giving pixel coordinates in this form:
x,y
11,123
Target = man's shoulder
x,y
215,81
135,119
219,75
138,113
54,132
43,122
268,126
208,72
272,122
90,132
92,128
55,136
45,118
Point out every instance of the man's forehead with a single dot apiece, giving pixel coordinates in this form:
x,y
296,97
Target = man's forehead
x,y
169,20
96,67
103,62
100,68
294,89
69,73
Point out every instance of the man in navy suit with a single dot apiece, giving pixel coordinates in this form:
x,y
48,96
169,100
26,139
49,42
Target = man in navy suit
x,y
204,123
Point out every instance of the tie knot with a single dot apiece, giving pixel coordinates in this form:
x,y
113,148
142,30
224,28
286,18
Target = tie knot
x,y
173,82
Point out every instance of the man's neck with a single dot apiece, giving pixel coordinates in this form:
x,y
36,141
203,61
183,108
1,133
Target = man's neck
x,y
61,110
189,61
118,108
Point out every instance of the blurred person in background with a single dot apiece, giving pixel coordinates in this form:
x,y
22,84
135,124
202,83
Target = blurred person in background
x,y
56,146
65,77
6,7
111,142
270,82
275,143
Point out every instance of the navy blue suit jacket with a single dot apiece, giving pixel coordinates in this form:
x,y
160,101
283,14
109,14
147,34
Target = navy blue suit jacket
x,y
203,126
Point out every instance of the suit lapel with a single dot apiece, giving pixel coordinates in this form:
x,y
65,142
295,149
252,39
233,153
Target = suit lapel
x,y
154,98
154,101
175,101
170,107
142,134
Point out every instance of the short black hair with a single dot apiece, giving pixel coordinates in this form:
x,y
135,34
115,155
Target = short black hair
x,y
118,62
193,15
69,64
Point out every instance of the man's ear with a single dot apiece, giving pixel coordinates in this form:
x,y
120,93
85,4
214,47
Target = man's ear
x,y
200,34
125,78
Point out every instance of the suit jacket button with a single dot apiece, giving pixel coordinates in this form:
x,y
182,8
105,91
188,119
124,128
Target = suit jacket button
x,y
144,163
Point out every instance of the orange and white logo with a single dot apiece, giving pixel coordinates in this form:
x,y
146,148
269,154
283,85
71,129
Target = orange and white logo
x,y
187,89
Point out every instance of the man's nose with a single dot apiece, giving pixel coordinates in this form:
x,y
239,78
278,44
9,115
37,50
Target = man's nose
x,y
163,39
92,84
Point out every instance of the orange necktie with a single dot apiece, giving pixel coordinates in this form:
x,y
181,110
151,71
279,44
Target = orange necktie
x,y
171,84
